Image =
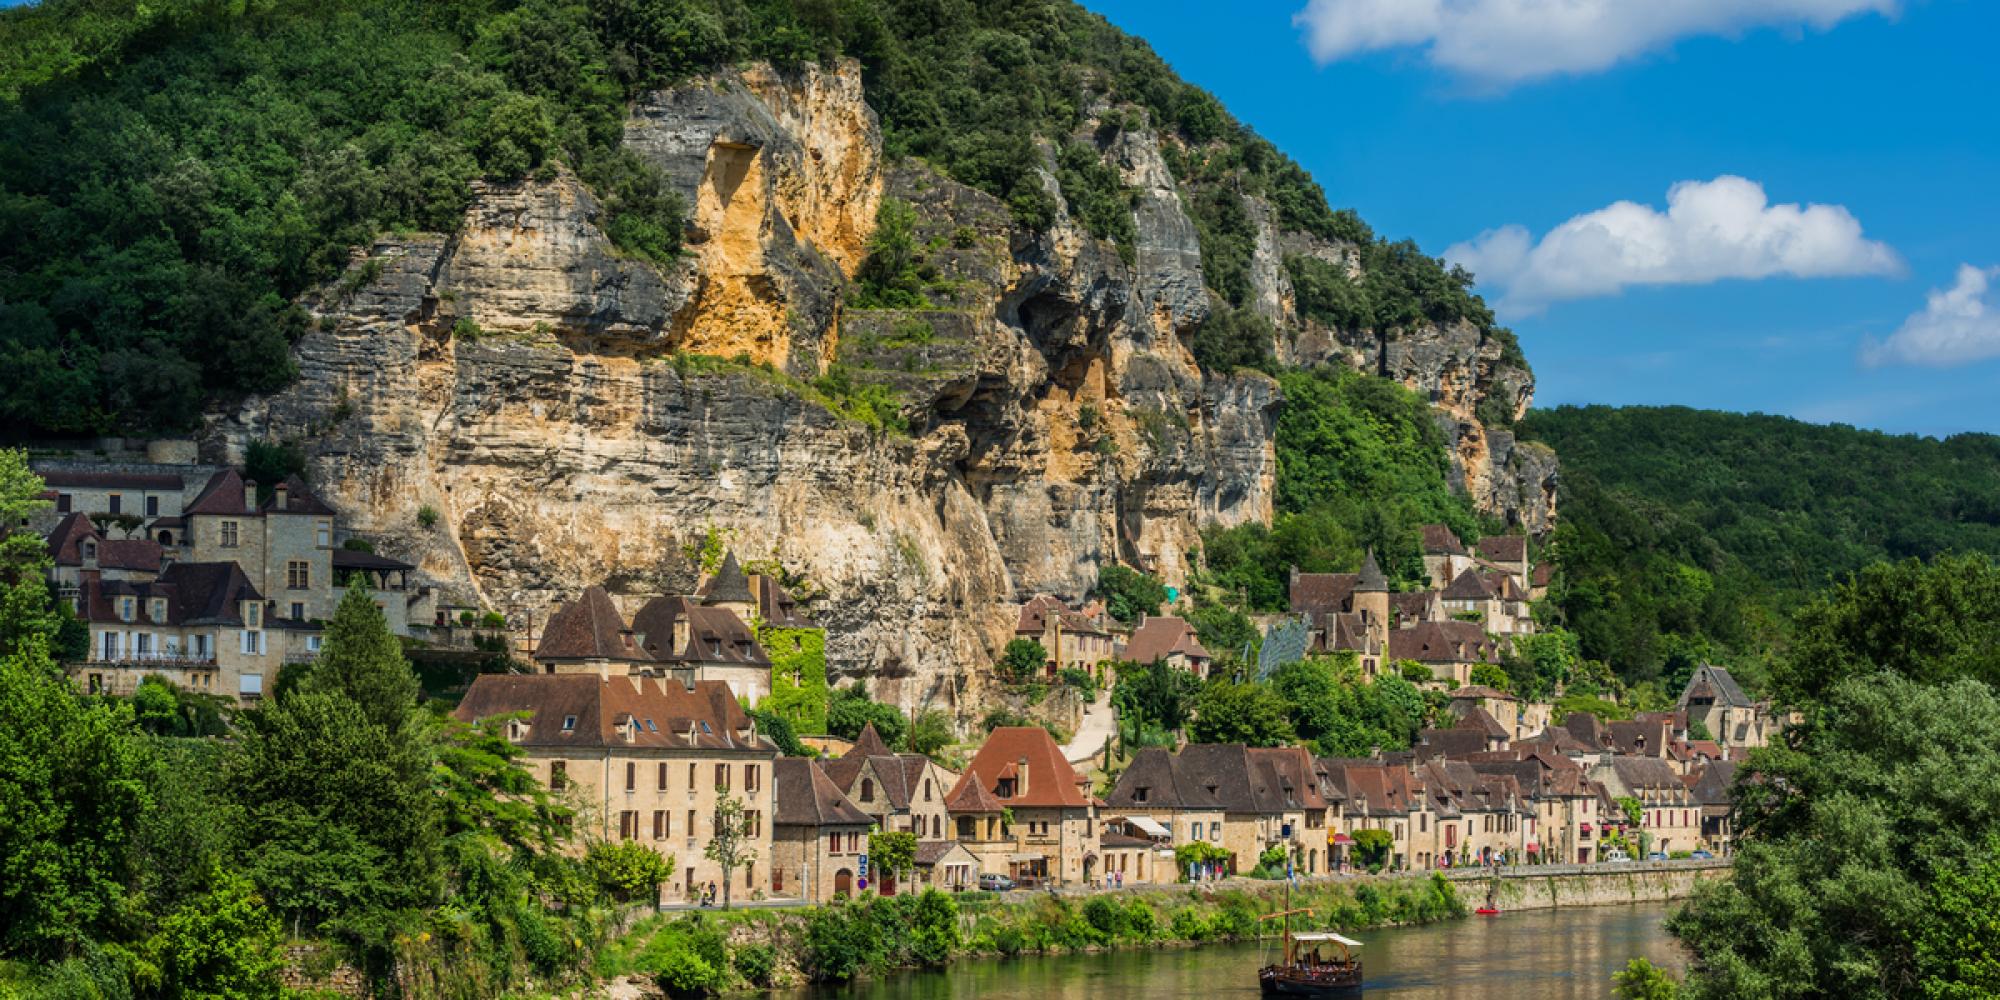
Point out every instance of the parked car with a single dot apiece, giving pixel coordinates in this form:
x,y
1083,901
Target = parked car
x,y
1657,856
1616,856
995,883
1702,856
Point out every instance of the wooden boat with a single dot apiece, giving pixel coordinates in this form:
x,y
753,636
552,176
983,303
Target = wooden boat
x,y
1310,967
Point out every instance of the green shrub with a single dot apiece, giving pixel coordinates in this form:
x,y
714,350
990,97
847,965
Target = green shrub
x,y
1106,916
1189,925
933,928
755,962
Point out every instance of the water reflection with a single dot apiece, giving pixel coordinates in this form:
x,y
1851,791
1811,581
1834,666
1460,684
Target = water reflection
x,y
1549,954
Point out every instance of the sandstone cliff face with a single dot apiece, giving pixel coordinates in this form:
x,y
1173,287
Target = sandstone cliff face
x,y
584,427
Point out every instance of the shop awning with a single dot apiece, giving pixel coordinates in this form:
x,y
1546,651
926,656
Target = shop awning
x,y
1150,826
1340,838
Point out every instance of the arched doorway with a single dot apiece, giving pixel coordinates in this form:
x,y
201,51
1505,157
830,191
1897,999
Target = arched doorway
x,y
843,882
1089,867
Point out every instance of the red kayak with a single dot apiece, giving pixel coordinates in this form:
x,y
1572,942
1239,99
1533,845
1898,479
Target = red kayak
x,y
1487,911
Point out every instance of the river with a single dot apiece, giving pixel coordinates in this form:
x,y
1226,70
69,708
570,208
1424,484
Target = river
x,y
1533,955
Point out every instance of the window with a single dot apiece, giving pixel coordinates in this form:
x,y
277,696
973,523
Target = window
x,y
125,608
937,827
253,614
204,646
628,825
927,789
631,775
833,843
1215,832
298,575
117,504
152,506
868,789
313,643
145,647
252,643
569,723
722,777
156,609
753,822
298,611
691,827
62,503
325,534
228,534
110,646
663,774
1139,794
750,778
558,775
660,829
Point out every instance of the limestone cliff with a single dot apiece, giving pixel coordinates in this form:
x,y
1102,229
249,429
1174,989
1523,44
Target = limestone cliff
x,y
572,416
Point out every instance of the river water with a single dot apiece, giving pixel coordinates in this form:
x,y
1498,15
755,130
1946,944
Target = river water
x,y
1566,954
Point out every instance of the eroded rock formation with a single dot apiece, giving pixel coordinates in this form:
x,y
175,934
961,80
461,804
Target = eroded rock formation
x,y
572,416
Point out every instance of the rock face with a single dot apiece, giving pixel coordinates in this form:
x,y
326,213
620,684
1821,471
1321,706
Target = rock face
x,y
567,414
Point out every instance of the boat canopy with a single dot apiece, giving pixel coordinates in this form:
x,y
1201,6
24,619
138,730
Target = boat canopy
x,y
1326,936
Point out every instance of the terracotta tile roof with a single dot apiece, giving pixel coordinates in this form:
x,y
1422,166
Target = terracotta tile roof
x,y
589,628
1051,782
1471,586
1443,642
1454,742
1542,575
1439,540
222,495
1323,592
1712,781
1417,605
196,594
1473,691
1158,637
1226,776
930,852
777,608
1504,548
971,797
805,796
299,499
613,712
728,585
714,635
1034,614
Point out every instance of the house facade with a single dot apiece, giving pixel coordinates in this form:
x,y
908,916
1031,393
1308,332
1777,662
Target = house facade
x,y
817,835
1046,829
644,759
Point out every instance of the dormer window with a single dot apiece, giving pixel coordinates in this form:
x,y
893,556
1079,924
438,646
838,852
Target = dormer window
x,y
1004,788
253,614
569,724
1140,794
125,608
157,610
650,727
89,549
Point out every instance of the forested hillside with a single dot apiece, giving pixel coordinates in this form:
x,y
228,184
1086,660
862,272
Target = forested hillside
x,y
1690,533
174,174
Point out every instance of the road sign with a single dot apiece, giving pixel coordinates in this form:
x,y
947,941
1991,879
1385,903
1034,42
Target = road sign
x,y
862,882
864,866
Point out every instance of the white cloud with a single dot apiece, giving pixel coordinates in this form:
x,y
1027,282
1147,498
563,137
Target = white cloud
x,y
1958,325
1506,41
1711,230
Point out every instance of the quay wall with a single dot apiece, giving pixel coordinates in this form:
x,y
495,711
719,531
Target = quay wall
x,y
1557,886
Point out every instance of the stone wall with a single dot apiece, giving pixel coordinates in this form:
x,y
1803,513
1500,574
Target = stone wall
x,y
1555,886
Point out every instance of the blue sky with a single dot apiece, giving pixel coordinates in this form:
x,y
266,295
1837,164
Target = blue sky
x,y
1444,119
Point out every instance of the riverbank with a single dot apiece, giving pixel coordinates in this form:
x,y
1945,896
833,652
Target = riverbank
x,y
696,954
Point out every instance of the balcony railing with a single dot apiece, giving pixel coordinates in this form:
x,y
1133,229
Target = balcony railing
x,y
184,661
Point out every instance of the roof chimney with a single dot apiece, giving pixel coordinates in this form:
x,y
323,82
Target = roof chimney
x,y
1021,779
250,494
282,492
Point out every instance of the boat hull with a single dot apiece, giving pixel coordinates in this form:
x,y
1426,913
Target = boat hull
x,y
1278,981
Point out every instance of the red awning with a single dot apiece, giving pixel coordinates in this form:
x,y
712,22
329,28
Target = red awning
x,y
1534,848
1341,838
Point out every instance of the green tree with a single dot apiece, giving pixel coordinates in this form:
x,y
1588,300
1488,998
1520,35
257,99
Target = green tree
x,y
894,852
1371,848
222,945
1249,713
852,710
934,933
888,276
1958,943
1492,675
1128,593
1023,660
1640,979
930,733
1154,692
362,661
1226,632
629,870
1928,621
730,845
1845,831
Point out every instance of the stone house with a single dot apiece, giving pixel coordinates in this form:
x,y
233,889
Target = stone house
x,y
285,544
1348,611
147,498
1493,599
1451,649
946,865
1522,719
817,835
1445,557
1170,640
1710,784
199,626
1561,803
1669,812
1079,639
1731,717
1381,796
1242,799
904,793
678,638
1509,554
1053,829
643,759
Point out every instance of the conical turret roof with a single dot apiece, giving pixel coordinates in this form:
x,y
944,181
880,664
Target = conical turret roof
x,y
1372,580
728,585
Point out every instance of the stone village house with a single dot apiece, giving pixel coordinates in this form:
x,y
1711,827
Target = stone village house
x,y
643,759
818,836
903,793
1024,812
